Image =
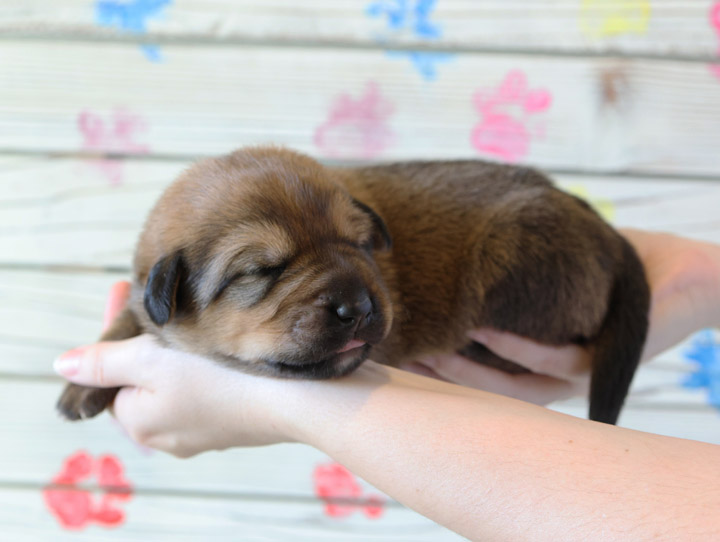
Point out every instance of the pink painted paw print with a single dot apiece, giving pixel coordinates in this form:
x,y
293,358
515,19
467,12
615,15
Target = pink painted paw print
x,y
506,128
715,23
114,135
335,484
357,128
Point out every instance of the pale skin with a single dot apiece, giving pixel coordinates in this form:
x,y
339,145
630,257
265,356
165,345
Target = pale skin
x,y
486,466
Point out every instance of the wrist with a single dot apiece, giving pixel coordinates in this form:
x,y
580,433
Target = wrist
x,y
695,279
684,276
320,412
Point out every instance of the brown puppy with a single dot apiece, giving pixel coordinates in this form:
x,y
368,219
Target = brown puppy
x,y
269,262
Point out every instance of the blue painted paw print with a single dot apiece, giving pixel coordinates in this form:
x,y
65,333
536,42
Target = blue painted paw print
x,y
425,63
705,353
131,17
400,14
412,15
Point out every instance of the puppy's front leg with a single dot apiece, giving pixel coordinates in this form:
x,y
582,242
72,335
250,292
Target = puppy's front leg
x,y
80,402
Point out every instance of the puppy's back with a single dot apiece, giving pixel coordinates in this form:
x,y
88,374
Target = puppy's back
x,y
481,244
468,231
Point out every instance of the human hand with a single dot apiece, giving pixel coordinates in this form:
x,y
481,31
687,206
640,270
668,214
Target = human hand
x,y
684,277
174,401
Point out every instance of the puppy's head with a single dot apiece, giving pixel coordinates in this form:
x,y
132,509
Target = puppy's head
x,y
262,260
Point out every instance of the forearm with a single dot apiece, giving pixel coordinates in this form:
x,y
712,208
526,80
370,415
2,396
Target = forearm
x,y
493,468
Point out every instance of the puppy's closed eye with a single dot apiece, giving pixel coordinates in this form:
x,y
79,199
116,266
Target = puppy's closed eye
x,y
253,283
272,271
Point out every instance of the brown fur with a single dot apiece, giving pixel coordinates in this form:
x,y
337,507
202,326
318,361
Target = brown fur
x,y
247,259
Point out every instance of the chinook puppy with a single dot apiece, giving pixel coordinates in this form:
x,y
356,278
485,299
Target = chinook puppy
x,y
271,263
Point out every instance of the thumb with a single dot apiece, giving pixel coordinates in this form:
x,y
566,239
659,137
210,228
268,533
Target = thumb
x,y
106,364
117,299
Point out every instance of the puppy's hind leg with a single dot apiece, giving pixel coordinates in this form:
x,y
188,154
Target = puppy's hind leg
x,y
80,402
483,355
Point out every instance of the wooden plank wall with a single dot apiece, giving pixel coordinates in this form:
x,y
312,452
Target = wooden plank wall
x,y
103,102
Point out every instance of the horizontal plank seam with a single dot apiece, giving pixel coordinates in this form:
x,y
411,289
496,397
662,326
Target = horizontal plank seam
x,y
200,494
156,39
63,268
37,377
639,174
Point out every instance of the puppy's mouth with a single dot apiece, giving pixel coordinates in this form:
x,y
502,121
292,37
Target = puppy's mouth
x,y
342,362
351,345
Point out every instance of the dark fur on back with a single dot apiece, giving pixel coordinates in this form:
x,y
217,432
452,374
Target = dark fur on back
x,y
270,262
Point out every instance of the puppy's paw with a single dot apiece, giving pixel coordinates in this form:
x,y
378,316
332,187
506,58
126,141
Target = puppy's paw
x,y
81,402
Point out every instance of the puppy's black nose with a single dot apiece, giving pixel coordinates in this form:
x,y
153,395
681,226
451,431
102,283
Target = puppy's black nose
x,y
351,312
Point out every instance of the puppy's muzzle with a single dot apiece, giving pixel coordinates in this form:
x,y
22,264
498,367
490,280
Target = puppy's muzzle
x,y
354,312
350,305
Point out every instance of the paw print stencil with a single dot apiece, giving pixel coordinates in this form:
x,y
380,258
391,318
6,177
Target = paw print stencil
x,y
115,134
425,63
357,128
603,206
600,18
131,17
75,508
715,23
335,484
412,15
507,124
704,352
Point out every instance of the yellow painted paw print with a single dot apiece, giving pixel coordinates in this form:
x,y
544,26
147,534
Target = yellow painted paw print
x,y
599,18
604,207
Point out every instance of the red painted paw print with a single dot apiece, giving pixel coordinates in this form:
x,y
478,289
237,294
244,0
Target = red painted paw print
x,y
335,484
502,132
112,135
74,507
357,128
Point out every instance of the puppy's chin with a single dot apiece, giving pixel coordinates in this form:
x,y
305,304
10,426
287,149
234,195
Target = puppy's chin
x,y
335,366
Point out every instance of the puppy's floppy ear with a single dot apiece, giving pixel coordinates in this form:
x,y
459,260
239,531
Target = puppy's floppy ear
x,y
161,290
381,236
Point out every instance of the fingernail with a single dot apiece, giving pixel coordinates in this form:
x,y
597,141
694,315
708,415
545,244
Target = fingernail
x,y
68,364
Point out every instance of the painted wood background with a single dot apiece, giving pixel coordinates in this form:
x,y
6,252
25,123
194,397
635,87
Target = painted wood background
x,y
103,102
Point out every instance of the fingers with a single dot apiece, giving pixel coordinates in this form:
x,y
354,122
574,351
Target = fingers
x,y
107,364
559,361
132,410
534,388
422,370
117,299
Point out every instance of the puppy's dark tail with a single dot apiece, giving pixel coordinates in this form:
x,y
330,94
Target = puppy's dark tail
x,y
619,344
